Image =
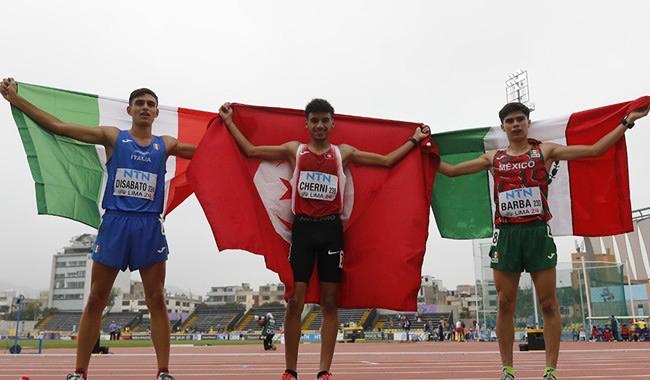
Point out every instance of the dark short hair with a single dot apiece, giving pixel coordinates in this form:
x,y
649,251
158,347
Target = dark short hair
x,y
514,107
142,91
318,105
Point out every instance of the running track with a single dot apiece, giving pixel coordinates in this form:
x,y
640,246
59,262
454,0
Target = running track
x,y
394,361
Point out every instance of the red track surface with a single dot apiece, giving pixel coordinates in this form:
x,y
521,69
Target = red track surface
x,y
394,361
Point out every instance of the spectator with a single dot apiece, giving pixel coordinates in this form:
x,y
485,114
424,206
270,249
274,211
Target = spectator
x,y
450,330
582,335
268,331
407,327
643,335
614,325
114,331
441,330
607,335
475,331
595,334
625,332
460,331
635,332
427,331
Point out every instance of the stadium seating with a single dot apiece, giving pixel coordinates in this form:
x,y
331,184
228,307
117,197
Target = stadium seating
x,y
126,319
144,325
360,317
63,321
394,321
213,318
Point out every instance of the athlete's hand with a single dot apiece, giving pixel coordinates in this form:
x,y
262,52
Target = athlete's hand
x,y
637,114
225,111
422,132
8,89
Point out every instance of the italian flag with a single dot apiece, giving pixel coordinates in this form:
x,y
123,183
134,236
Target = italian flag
x,y
70,175
587,197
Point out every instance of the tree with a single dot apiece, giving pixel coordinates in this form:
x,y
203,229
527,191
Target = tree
x,y
4,309
31,311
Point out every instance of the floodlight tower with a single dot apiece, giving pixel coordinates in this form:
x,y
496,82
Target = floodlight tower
x,y
517,89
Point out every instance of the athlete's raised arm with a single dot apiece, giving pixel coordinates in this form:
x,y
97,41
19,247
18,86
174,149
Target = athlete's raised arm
x,y
179,149
479,164
286,151
102,135
353,155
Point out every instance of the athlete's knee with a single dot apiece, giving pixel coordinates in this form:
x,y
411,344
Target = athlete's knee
x,y
155,299
328,306
507,302
549,306
294,307
97,301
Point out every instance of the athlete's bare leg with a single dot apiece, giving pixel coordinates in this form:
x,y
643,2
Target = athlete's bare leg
x,y
330,326
546,293
506,284
153,280
101,283
292,325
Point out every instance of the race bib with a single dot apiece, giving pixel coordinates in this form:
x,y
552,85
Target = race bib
x,y
520,202
134,183
317,185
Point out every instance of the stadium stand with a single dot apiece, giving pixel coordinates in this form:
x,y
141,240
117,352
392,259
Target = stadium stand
x,y
360,317
123,320
144,325
64,321
393,321
213,318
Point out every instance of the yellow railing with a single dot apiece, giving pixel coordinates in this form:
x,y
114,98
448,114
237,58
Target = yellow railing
x,y
310,318
364,318
244,322
43,322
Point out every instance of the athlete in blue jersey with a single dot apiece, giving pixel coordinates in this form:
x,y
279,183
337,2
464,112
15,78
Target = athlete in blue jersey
x,y
131,234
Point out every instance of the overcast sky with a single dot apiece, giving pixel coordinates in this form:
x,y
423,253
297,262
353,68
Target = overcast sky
x,y
442,63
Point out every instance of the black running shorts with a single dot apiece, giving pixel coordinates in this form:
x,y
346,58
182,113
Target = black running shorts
x,y
317,240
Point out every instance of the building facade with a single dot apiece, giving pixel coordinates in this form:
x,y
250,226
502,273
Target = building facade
x,y
70,276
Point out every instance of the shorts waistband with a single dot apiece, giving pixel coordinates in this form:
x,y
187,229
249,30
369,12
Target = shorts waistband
x,y
133,213
531,224
326,218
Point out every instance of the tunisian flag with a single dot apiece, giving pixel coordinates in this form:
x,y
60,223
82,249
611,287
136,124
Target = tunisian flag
x,y
386,215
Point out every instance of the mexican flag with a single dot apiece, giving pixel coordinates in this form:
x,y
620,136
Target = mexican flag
x,y
385,216
70,175
587,197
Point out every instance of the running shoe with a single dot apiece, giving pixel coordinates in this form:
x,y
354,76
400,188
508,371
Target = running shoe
x,y
165,376
288,376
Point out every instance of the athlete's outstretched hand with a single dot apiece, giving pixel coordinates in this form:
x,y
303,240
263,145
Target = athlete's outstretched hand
x,y
8,89
225,111
637,114
422,132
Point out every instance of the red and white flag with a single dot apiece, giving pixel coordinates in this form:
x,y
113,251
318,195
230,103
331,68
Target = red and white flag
x,y
247,202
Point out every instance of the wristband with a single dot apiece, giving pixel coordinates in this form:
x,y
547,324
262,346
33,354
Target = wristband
x,y
627,124
413,140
